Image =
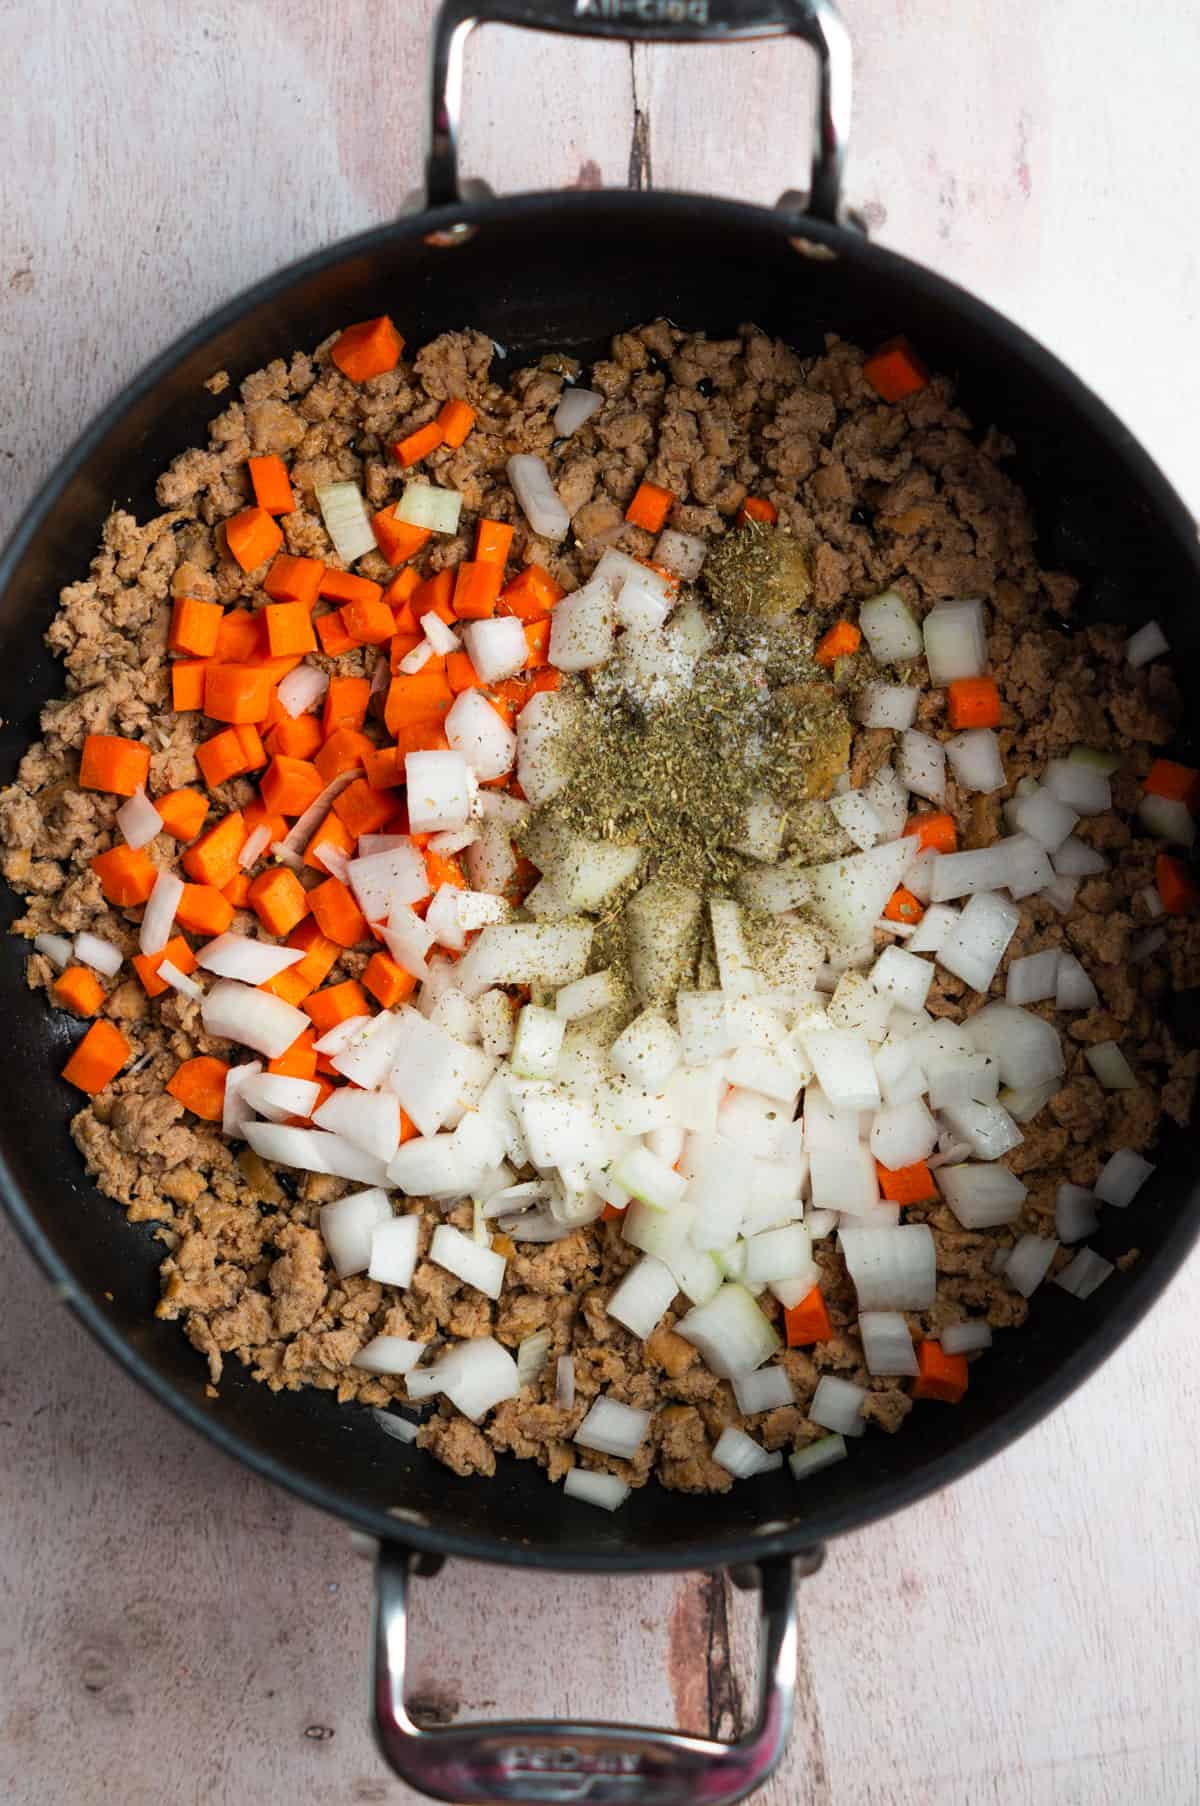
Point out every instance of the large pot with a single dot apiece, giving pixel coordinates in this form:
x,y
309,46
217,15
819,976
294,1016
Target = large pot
x,y
565,271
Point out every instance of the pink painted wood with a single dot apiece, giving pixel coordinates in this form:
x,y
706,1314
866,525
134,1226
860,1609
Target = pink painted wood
x,y
175,1630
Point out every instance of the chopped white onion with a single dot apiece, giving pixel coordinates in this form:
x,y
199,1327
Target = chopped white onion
x,y
837,1405
1075,1213
1033,978
1082,1275
57,949
647,1290
240,956
604,1490
564,1382
854,813
742,1456
403,1429
537,1042
278,1097
346,520
986,1130
536,493
498,648
475,1266
584,996
1081,786
576,406
975,760
1122,1177
479,732
903,977
297,838
138,820
103,957
1076,859
159,915
370,1119
425,505
240,1012
417,659
1148,642
1074,990
613,1428
1044,819
477,1375
816,1455
235,1111
393,1250
955,641
921,765
1110,1066
888,705
582,629
778,1254
302,689
683,553
255,845
902,1134
931,931
764,1390
1029,1263
887,1343
1168,819
845,1070
731,1332
981,1197
890,629
389,1354
648,1179
347,1228
977,942
893,1269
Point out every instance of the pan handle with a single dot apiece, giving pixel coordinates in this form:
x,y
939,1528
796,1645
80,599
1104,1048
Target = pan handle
x,y
552,1763
817,22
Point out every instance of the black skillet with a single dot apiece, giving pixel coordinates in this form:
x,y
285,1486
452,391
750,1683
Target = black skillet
x,y
566,271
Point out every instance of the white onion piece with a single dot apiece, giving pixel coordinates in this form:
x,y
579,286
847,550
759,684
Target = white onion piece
x,y
1029,1263
402,1429
613,1428
439,792
977,942
647,1290
536,493
764,1390
822,1453
604,1490
498,648
477,1375
347,1228
389,1354
302,689
890,629
417,659
584,996
1024,1102
1044,819
235,1111
960,1078
892,1269
975,760
1148,642
1075,859
239,1012
889,799
903,977
981,1197
854,813
955,641
1122,1177
1168,819
371,1120
683,553
1082,1275
1061,894
532,1354
564,1382
902,1134
887,1343
340,1035
1110,1066
648,1179
278,1097
537,1042
159,915
346,520
57,949
987,1129
837,1405
443,639
582,629
393,1250
933,928
845,1071
1074,990
475,1266
888,705
576,406
732,1334
966,874
921,765
103,957
965,1338
742,1456
778,1254
1033,978
1075,1213
1080,786
643,601
138,820
256,844
425,505
239,956
479,732
524,952
453,841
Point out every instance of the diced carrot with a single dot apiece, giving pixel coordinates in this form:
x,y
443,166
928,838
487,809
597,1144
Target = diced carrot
x,y
443,868
843,638
187,684
509,697
176,953
907,1184
126,875
252,537
363,810
455,418
276,713
257,815
320,953
531,595
537,638
98,1058
220,758
112,763
237,693
895,370
1181,783
289,629
1176,886
933,828
425,696
331,833
194,626
204,910
611,1214
241,638
384,768
254,753
298,738
476,589
290,786
370,623
237,891
199,1084
388,983
460,673
756,507
336,1003
272,489
398,593
402,644
808,1321
549,679
436,592
331,631
299,1061
370,348
397,539
422,735
346,703
344,586
973,702
345,749
650,507
338,915
79,990
294,579
941,1376
278,899
493,542
183,813
213,859
418,445
902,906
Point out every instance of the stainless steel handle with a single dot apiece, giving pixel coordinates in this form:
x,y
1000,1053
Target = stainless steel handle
x,y
817,22
552,1762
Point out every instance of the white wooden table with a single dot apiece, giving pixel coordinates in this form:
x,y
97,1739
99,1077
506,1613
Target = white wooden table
x,y
174,1633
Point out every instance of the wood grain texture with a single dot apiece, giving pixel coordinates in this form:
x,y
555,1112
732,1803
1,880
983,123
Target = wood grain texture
x,y
170,1627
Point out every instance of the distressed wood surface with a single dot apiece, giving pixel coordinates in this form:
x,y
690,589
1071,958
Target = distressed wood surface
x,y
169,1626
